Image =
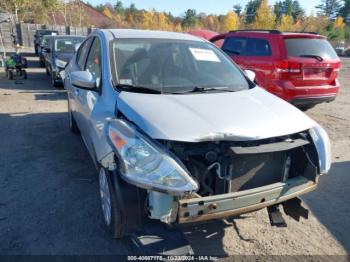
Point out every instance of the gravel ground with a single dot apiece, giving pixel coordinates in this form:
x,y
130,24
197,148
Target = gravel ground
x,y
49,193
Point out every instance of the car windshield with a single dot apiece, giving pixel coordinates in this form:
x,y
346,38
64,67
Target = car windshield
x,y
175,66
66,45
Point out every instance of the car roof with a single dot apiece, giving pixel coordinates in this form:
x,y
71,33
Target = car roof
x,y
135,33
68,36
48,36
277,33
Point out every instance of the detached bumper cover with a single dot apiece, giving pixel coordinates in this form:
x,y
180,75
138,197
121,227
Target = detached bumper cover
x,y
232,204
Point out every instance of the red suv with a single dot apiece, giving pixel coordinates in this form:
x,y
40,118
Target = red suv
x,y
301,68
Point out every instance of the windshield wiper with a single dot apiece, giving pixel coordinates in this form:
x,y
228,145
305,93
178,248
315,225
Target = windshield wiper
x,y
137,89
231,52
317,57
198,89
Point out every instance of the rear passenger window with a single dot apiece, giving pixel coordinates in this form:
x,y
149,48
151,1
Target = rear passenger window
x,y
81,55
247,46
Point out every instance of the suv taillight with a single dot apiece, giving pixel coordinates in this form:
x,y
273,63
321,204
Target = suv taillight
x,y
288,67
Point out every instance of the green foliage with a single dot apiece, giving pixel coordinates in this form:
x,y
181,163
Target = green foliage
x,y
251,8
345,10
119,8
329,8
347,32
290,8
238,9
189,19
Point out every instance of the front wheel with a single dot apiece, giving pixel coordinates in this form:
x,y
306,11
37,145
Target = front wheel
x,y
111,209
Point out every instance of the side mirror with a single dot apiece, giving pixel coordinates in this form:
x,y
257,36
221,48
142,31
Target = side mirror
x,y
250,74
83,79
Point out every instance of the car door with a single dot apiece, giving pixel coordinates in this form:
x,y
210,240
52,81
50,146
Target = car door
x,y
86,99
77,64
252,53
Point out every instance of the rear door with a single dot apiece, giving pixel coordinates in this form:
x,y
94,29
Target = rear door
x,y
252,53
315,62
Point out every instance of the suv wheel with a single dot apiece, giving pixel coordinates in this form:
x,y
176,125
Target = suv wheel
x,y
109,202
72,123
54,82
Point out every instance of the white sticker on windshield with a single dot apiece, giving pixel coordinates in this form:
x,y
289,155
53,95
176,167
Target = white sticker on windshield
x,y
204,55
125,81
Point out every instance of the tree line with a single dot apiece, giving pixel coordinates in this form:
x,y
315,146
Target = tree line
x,y
331,19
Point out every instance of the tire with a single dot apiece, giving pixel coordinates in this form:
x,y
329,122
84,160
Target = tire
x,y
24,73
54,82
10,74
111,211
72,123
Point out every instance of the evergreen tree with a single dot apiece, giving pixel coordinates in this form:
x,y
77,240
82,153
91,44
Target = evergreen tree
x,y
238,9
251,8
189,19
329,8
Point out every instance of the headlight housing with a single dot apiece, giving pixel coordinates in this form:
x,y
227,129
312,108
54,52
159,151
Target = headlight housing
x,y
146,164
60,63
323,146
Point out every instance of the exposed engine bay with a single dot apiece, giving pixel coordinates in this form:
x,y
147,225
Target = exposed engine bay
x,y
224,167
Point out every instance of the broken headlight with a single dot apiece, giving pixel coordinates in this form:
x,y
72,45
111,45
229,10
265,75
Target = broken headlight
x,y
146,164
323,146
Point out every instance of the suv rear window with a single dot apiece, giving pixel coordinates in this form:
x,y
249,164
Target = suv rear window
x,y
247,46
298,47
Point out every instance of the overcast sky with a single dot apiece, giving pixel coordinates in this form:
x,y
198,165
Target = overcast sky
x,y
178,7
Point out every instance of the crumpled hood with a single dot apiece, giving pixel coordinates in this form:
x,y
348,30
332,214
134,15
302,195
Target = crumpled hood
x,y
241,116
66,57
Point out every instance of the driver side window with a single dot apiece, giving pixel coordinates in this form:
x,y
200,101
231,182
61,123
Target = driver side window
x,y
93,62
82,51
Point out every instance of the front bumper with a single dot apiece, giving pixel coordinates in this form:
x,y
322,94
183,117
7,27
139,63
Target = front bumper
x,y
233,204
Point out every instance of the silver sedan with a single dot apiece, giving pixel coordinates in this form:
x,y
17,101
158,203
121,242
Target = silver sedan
x,y
180,134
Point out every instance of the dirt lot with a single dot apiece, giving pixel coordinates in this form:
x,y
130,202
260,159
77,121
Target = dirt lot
x,y
49,193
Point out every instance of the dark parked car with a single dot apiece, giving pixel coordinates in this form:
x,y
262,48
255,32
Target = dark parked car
x,y
44,45
38,37
58,53
301,68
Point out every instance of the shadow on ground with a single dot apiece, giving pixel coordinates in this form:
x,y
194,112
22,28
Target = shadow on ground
x,y
331,200
49,202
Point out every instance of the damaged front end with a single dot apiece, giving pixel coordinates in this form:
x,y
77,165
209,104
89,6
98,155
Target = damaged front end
x,y
191,182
